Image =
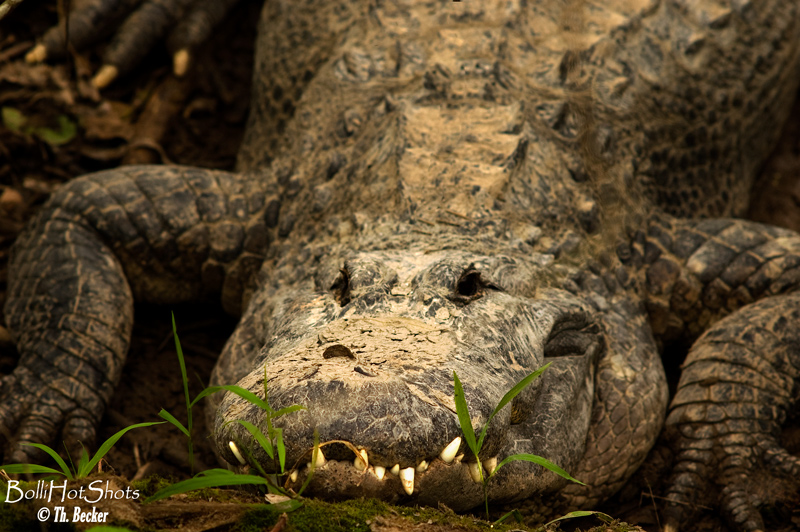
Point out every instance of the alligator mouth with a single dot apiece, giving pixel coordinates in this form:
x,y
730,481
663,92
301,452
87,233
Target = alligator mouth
x,y
446,478
378,395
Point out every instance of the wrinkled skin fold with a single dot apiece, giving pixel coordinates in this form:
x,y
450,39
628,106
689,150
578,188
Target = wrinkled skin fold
x,y
430,187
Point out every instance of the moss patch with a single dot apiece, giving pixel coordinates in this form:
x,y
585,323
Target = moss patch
x,y
360,516
150,485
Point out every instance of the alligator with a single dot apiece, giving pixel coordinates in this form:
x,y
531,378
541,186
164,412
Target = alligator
x,y
430,187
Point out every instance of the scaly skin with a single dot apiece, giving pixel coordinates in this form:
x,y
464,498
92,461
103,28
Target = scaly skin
x,y
430,187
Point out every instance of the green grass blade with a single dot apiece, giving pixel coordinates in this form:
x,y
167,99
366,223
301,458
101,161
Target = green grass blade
x,y
185,380
169,417
208,481
463,416
509,396
583,513
266,392
69,457
547,464
16,469
82,461
259,436
281,449
256,463
109,443
313,463
287,410
247,395
214,471
67,473
513,513
181,362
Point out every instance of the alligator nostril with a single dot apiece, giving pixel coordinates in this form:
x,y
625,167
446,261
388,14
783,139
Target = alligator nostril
x,y
469,286
338,350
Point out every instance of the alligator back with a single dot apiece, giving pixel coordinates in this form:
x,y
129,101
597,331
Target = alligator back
x,y
540,104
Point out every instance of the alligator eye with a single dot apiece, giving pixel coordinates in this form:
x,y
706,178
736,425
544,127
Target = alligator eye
x,y
469,286
341,288
574,342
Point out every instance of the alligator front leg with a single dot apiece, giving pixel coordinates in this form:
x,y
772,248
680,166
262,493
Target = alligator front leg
x,y
734,284
147,233
737,386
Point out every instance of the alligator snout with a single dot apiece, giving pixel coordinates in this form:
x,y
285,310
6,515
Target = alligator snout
x,y
383,385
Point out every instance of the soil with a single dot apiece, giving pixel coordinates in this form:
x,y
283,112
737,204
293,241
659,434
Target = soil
x,y
66,128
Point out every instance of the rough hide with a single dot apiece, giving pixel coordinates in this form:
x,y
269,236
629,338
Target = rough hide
x,y
480,187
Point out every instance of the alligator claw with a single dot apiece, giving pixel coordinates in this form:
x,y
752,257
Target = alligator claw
x,y
41,416
188,23
732,461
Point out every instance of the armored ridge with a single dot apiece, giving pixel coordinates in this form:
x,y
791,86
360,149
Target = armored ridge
x,y
431,186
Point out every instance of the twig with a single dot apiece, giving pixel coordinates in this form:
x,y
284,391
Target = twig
x,y
283,520
13,51
153,124
203,350
655,508
137,456
678,502
446,222
454,213
7,6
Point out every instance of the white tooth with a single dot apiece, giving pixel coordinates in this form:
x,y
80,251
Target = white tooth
x,y
395,470
293,476
407,479
475,471
360,462
320,458
423,466
449,452
490,464
236,453
379,471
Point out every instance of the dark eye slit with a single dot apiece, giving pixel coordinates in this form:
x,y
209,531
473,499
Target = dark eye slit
x,y
569,341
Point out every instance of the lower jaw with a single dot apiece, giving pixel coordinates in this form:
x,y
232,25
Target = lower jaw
x,y
450,484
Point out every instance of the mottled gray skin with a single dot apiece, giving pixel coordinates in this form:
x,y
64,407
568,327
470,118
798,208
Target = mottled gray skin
x,y
480,187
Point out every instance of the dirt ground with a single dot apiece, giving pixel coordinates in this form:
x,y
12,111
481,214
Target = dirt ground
x,y
55,127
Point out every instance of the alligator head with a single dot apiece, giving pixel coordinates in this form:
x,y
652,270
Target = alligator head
x,y
369,348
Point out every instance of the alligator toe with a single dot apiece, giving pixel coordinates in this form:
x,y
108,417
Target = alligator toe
x,y
184,23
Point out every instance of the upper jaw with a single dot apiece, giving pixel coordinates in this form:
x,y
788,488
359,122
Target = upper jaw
x,y
390,392
400,410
